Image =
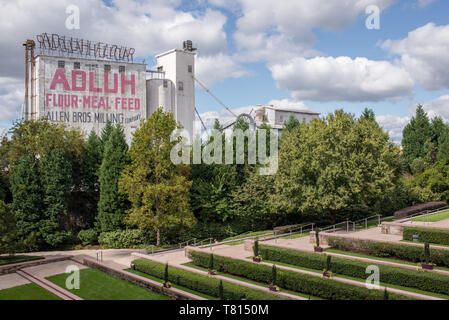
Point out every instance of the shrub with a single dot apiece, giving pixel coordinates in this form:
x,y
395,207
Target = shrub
x,y
200,283
427,235
410,253
88,236
256,248
431,282
131,238
403,213
291,280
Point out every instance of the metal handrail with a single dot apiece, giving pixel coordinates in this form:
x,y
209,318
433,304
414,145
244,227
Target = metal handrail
x,y
424,213
239,235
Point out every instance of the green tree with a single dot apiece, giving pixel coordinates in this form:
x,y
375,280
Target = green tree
x,y
414,137
335,165
157,188
56,180
443,146
105,134
27,202
113,204
8,229
89,190
368,114
291,123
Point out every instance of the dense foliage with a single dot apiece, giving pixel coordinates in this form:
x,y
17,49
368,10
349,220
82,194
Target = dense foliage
x,y
435,236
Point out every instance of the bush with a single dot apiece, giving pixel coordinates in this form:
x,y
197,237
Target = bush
x,y
427,235
291,280
389,250
131,238
426,281
88,236
403,213
200,283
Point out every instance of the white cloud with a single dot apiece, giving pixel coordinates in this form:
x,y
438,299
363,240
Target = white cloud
x,y
436,107
277,30
424,53
425,3
216,68
288,104
342,79
150,27
11,98
393,125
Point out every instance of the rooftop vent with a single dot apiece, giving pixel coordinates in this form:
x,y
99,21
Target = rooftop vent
x,y
188,46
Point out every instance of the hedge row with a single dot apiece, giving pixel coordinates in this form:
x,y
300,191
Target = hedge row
x,y
291,280
425,281
427,235
200,283
439,257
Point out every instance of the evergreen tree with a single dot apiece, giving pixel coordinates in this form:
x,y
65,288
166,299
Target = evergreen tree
x,y
27,202
90,187
8,229
56,179
291,123
443,146
105,134
220,291
368,114
415,135
157,188
112,204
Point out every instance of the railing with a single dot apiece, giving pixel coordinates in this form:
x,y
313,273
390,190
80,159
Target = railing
x,y
303,227
335,227
423,214
240,235
181,245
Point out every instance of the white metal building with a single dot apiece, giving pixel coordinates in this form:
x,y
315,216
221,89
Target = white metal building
x,y
276,117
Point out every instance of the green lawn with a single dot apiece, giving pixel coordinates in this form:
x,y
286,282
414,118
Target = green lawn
x,y
173,285
16,259
28,291
97,285
434,217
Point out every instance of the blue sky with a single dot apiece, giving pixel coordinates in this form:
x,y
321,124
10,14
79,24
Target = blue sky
x,y
315,54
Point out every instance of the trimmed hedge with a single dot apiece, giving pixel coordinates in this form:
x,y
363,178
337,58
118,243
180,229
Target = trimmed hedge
x,y
291,280
389,250
403,213
426,281
200,283
131,238
427,235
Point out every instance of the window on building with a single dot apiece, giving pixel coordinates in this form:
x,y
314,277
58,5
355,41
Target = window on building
x,y
121,69
281,118
190,68
165,83
180,85
61,64
160,68
107,68
76,65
